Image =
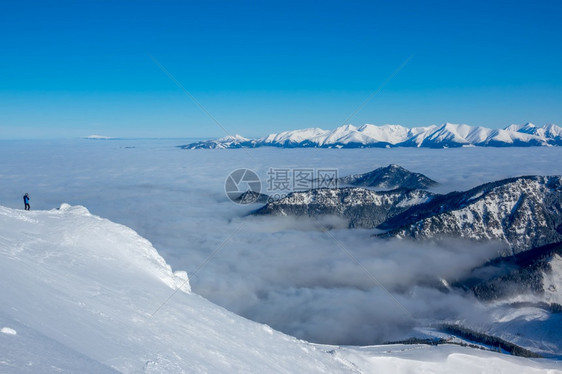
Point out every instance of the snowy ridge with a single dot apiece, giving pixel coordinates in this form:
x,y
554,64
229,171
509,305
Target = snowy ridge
x,y
524,212
228,141
443,136
359,207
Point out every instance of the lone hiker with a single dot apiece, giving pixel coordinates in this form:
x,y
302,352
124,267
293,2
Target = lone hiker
x,y
26,201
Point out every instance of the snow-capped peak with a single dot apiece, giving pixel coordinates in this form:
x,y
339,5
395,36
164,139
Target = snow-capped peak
x,y
231,138
513,127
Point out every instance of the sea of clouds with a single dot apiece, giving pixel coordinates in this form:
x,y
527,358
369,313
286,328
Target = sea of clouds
x,y
338,286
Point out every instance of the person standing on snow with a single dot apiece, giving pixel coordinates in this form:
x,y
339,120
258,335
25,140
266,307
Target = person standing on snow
x,y
26,201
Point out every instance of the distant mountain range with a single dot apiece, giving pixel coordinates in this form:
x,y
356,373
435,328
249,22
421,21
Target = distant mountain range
x,y
443,136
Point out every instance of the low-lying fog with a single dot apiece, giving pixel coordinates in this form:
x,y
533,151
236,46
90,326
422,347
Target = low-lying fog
x,y
339,286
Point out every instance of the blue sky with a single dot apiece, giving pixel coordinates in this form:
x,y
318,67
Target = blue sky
x,y
74,68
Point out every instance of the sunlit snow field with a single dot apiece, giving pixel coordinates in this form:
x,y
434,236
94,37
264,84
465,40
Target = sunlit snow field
x,y
283,272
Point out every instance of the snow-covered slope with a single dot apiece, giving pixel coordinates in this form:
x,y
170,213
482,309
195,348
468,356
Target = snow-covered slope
x,y
550,131
288,138
524,212
446,135
523,297
80,292
443,359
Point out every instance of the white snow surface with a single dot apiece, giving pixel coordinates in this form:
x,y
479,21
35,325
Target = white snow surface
x,y
297,136
88,295
83,292
232,138
441,359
